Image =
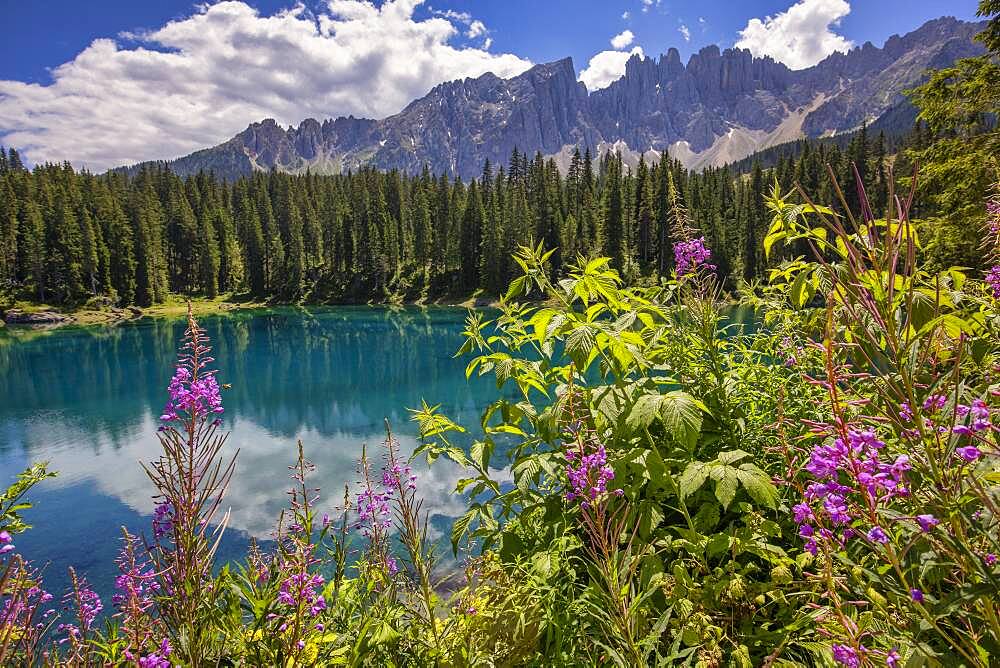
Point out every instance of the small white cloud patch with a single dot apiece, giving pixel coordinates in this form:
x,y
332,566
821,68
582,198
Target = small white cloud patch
x,y
607,67
685,32
476,28
622,39
800,36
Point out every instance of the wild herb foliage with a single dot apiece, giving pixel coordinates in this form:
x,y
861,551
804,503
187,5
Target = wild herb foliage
x,y
653,485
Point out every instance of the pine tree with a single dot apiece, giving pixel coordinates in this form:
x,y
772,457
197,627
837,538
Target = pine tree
x,y
471,237
8,236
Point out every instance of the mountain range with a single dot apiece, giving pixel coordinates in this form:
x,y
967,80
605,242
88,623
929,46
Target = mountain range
x,y
720,107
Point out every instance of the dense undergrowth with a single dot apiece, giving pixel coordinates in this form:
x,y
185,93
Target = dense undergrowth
x,y
653,486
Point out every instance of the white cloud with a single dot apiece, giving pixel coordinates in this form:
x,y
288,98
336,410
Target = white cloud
x,y
649,4
800,36
606,67
476,28
685,32
198,80
622,39
625,15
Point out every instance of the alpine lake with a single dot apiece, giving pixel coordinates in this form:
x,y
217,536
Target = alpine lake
x,y
87,400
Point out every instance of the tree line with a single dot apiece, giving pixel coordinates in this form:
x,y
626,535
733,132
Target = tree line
x,y
67,236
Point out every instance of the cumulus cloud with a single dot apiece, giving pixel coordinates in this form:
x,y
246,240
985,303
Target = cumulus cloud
x,y
800,36
622,39
685,32
606,67
198,80
476,28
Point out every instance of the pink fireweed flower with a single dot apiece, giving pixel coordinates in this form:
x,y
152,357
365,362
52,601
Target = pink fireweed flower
x,y
969,453
877,535
303,588
993,280
191,398
935,402
158,659
690,255
5,542
85,605
852,477
374,510
589,477
163,519
846,656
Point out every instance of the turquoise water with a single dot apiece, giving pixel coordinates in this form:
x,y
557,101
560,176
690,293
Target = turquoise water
x,y
87,401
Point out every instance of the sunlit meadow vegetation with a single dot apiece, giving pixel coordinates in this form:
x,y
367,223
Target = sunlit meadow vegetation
x,y
653,486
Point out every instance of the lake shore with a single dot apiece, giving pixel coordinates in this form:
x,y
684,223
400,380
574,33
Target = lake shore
x,y
176,306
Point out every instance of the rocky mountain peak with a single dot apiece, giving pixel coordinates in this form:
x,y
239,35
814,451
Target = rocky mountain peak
x,y
720,106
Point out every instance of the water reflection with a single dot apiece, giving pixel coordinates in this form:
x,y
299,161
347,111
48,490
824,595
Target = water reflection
x,y
86,399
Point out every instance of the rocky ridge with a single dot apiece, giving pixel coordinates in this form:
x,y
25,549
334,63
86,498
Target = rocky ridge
x,y
720,107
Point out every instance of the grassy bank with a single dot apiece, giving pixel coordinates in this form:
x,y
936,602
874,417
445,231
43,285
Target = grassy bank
x,y
93,313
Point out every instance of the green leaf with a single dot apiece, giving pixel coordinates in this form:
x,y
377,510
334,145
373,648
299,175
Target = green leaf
x,y
732,456
682,416
758,485
801,291
772,239
707,517
693,478
645,409
726,484
460,528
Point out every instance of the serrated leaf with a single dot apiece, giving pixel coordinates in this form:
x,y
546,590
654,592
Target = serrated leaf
x,y
460,527
732,456
694,476
726,484
758,485
682,416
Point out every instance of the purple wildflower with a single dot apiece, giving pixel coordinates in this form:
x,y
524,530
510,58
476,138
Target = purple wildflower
x,y
589,479
157,659
690,255
893,659
927,522
980,415
374,510
990,559
846,655
163,519
917,595
851,473
935,402
969,453
191,398
5,542
877,535
302,588
993,280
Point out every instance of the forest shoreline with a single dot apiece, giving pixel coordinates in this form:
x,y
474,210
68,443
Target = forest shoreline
x,y
177,306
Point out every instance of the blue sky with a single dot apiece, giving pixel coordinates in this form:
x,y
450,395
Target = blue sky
x,y
167,76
